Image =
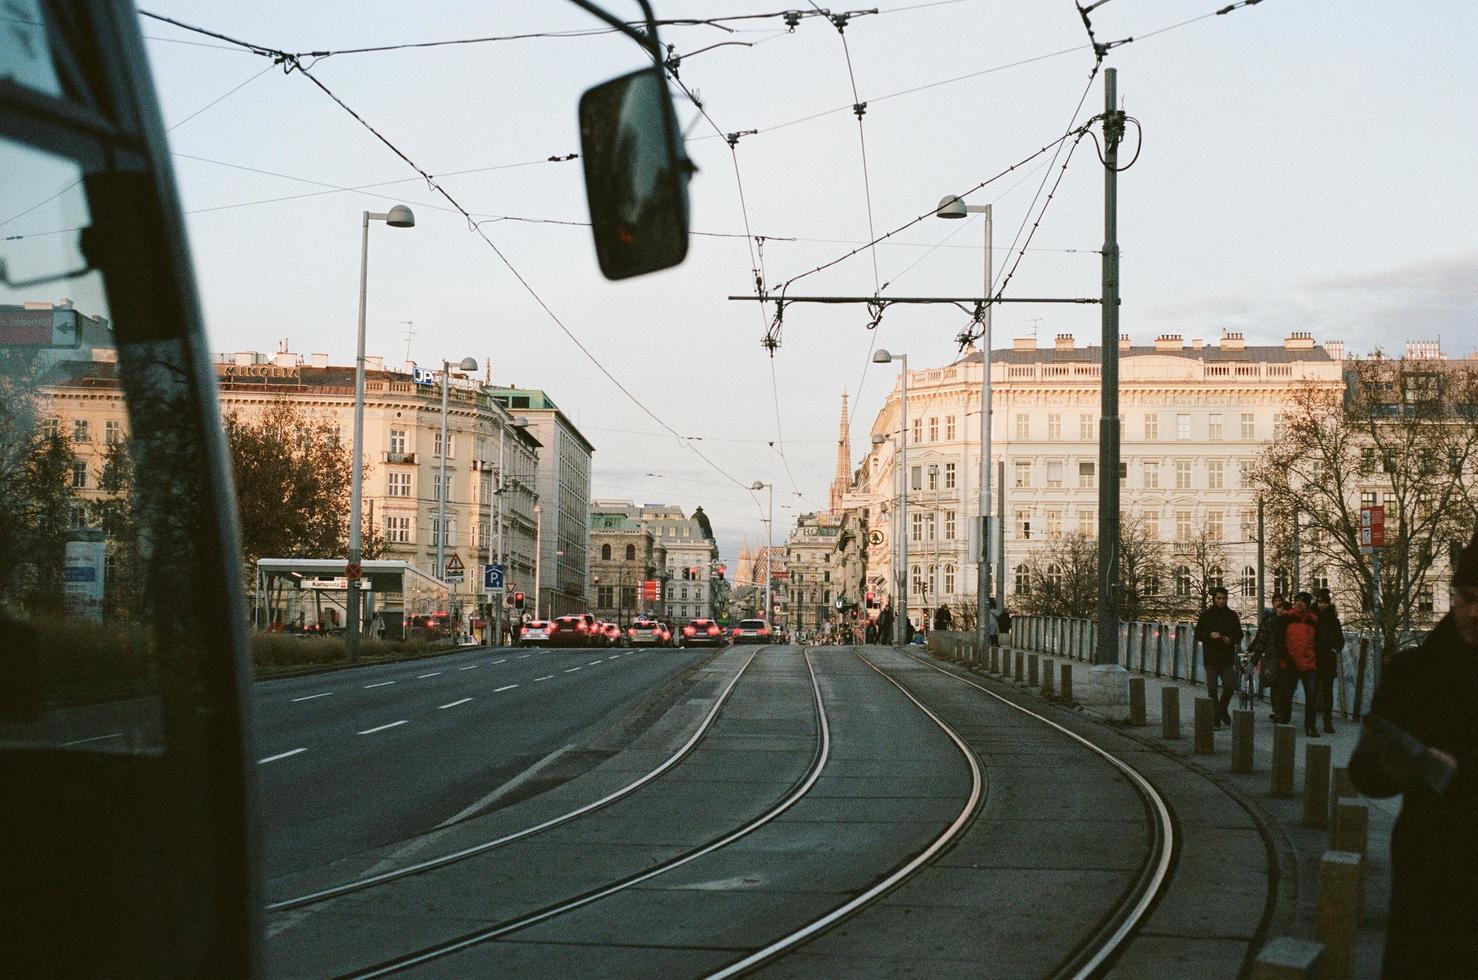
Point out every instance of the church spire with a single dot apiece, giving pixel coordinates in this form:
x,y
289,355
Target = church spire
x,y
843,477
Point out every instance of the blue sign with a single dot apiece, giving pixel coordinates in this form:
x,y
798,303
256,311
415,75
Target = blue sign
x,y
492,578
79,573
423,376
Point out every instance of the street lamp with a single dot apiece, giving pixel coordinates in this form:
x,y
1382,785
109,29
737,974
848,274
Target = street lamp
x,y
398,216
769,547
951,206
882,356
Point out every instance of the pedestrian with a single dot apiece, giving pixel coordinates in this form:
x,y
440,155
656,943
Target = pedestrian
x,y
1002,624
1331,644
885,624
943,618
1296,646
1419,741
1219,632
1261,656
871,635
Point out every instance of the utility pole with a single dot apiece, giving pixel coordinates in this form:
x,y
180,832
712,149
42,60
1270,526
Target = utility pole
x,y
1107,651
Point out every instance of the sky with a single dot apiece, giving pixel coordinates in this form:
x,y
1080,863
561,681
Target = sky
x,y
1304,166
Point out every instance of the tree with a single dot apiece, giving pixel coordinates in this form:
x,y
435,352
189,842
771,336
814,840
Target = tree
x,y
36,501
1063,578
118,515
1200,565
1404,435
1144,570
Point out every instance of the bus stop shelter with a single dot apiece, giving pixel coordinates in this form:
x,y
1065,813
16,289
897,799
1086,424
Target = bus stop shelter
x,y
395,592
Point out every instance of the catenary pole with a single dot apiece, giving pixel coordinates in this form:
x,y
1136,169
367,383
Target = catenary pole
x,y
1107,651
983,625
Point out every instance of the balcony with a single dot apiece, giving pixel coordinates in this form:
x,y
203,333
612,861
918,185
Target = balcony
x,y
400,457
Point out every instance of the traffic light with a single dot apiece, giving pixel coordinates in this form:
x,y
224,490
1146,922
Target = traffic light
x,y
518,600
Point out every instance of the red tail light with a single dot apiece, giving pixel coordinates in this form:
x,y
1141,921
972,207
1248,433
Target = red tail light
x,y
554,627
688,631
713,631
580,627
631,632
764,631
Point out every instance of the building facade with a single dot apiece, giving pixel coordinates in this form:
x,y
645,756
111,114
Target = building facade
x,y
623,555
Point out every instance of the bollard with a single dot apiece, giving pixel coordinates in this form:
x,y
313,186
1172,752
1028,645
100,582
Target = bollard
x,y
1020,664
1343,785
1066,686
1349,833
1242,740
1031,670
1170,711
1049,668
1136,701
1204,742
1286,958
1282,776
1338,911
1316,784
995,663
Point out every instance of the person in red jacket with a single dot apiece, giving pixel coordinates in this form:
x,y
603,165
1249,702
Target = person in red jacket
x,y
1296,645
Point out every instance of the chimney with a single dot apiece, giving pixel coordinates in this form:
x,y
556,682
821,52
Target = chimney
x,y
1169,342
1233,341
1064,341
1299,340
245,358
1024,343
1336,349
1123,342
318,360
1197,343
286,359
374,363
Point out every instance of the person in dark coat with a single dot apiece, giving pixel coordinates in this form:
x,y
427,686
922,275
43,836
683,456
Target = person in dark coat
x,y
1296,648
1219,632
885,624
1329,643
943,618
1419,740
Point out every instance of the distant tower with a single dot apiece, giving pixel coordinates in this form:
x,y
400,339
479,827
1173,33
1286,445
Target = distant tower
x,y
744,574
843,477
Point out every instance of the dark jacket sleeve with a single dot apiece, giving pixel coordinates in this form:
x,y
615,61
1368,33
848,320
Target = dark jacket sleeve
x,y
1203,626
1378,767
1234,628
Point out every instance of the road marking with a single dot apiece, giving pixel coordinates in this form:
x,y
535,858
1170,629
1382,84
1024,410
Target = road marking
x,y
572,670
524,657
381,684
546,677
503,661
593,663
310,697
473,666
434,673
613,658
95,738
371,731
453,704
280,755
505,687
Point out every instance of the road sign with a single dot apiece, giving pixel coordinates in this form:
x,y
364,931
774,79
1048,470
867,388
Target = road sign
x,y
353,571
649,590
875,537
492,578
1373,527
454,569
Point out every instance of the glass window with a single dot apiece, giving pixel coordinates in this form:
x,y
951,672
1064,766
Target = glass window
x,y
916,478
1024,525
1152,474
1023,425
1151,427
112,432
949,580
1152,524
1182,525
1023,580
81,430
1054,473
1182,474
1215,468
949,476
1245,469
1054,524
916,531
1249,581
949,427
1054,425
1085,476
1182,426
1085,427
398,485
1215,525
1087,523
1249,426
934,429
1023,470
949,525
398,529
79,475
918,430
397,438
933,473
1213,426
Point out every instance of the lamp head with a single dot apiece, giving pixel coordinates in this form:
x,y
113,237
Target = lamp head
x,y
950,206
879,440
881,356
467,364
400,216
756,485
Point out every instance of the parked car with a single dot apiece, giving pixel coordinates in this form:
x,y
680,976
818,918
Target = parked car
x,y
611,633
752,631
570,631
648,633
536,633
702,632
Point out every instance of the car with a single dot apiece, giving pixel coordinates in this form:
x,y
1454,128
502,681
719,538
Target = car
x,y
702,632
536,633
570,631
752,631
612,634
648,633
593,630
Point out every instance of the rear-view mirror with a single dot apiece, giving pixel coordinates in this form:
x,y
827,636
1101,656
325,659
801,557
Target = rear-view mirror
x,y
636,175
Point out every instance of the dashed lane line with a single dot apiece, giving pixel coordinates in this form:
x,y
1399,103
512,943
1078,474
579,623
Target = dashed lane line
x,y
280,755
524,657
505,687
453,704
380,684
572,670
594,662
310,697
503,661
546,677
381,728
434,673
95,738
470,667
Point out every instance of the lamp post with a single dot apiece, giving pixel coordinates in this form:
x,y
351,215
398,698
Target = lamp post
x,y
769,547
901,615
952,207
935,574
398,216
538,555
893,538
466,364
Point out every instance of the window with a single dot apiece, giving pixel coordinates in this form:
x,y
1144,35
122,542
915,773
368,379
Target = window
x,y
631,552
1151,427
1213,426
1023,580
1215,525
1320,579
397,440
81,430
485,488
451,529
1215,579
1023,425
1280,426
918,579
1249,581
918,430
1424,602
1152,524
1182,580
1054,473
949,580
399,484
79,475
1182,426
1054,576
1085,476
1215,470
76,516
1182,474
934,430
605,552
484,533
1280,581
1023,473
1085,427
51,428
916,532
949,427
1248,523
916,478
949,476
1244,472
1182,525
451,444
1087,523
1249,426
933,473
949,526
1054,425
398,530
1152,474
1024,525
1367,498
436,486
112,432
1123,474
1054,525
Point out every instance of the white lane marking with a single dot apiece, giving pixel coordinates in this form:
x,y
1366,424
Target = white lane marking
x,y
371,731
613,658
572,670
505,687
381,684
472,666
280,755
434,673
546,677
310,697
95,738
454,704
524,657
503,661
592,663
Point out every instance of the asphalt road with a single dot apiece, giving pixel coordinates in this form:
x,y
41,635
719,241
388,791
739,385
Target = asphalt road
x,y
356,759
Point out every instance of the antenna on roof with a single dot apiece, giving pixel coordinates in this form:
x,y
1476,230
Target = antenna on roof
x,y
1036,323
410,331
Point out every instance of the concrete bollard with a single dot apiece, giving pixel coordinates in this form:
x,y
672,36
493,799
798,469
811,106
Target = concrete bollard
x,y
1286,958
1338,912
1136,701
1349,834
1343,785
1242,739
1066,687
1032,672
1281,783
1316,784
1170,711
1205,739
992,661
1020,664
1049,669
